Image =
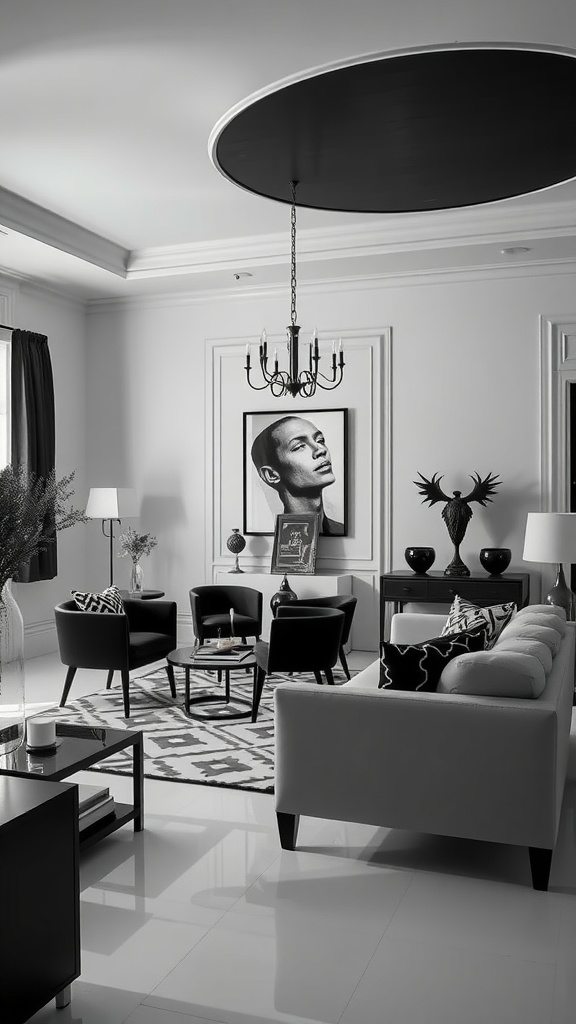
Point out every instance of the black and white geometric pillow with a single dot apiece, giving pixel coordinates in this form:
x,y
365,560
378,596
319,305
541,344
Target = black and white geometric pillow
x,y
465,615
419,666
108,601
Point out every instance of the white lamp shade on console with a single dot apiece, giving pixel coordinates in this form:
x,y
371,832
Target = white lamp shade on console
x,y
112,503
551,537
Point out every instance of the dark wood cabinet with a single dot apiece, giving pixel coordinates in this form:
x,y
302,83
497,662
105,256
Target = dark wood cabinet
x,y
402,586
39,895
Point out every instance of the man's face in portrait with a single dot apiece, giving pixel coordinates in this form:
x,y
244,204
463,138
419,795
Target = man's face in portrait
x,y
302,459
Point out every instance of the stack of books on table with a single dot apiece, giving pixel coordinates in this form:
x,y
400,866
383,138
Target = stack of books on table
x,y
229,652
94,803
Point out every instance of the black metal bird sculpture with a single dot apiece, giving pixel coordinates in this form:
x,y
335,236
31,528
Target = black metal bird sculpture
x,y
457,512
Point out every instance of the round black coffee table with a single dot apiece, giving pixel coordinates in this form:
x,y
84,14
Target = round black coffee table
x,y
184,658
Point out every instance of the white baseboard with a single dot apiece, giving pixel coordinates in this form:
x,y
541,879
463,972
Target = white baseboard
x,y
40,638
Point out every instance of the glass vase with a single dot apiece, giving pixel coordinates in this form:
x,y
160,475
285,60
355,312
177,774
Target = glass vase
x,y
136,578
12,704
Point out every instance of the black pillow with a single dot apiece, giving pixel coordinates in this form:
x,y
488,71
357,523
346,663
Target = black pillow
x,y
419,666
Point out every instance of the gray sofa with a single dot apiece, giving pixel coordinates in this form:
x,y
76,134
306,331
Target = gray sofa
x,y
456,764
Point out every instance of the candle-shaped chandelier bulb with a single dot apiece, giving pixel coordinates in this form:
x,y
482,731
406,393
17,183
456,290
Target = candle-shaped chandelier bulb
x,y
295,381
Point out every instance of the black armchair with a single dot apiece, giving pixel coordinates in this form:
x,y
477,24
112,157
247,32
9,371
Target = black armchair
x,y
302,639
211,611
143,633
345,603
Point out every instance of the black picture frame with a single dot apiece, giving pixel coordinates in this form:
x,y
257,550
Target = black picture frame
x,y
262,503
295,544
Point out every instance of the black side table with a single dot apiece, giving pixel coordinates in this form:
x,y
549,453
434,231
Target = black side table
x,y
403,586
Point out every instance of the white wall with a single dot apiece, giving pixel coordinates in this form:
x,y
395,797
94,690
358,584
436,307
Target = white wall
x,y
64,323
465,398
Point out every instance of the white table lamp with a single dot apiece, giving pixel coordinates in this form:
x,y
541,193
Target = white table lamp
x,y
112,505
551,537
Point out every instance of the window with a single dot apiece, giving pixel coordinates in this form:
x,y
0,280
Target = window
x,y
4,397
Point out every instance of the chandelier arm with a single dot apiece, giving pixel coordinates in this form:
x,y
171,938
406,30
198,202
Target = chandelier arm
x,y
328,387
255,387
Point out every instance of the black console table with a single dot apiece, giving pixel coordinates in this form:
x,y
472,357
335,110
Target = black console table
x,y
39,894
403,586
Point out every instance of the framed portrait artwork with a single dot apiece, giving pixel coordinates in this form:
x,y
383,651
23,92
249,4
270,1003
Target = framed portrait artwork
x,y
296,462
295,543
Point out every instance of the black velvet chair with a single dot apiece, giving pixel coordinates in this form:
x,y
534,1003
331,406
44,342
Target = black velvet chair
x,y
143,633
302,639
211,611
345,603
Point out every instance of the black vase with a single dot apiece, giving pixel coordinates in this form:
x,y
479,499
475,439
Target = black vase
x,y
420,559
282,596
495,560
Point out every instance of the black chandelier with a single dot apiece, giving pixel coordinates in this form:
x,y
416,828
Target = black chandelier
x,y
295,381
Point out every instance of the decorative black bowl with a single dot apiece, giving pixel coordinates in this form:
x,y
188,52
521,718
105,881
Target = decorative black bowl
x,y
420,559
495,560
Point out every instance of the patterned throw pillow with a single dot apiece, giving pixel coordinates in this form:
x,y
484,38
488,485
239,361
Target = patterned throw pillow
x,y
419,666
108,601
465,615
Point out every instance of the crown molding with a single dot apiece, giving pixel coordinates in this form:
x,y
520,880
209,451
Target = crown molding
x,y
497,224
32,286
400,279
35,221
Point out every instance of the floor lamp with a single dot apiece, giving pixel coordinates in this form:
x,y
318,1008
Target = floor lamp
x,y
551,537
111,505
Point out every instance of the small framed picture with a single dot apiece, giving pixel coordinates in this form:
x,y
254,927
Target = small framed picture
x,y
295,543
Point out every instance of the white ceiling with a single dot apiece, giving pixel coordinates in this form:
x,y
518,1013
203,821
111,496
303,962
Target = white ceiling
x,y
106,184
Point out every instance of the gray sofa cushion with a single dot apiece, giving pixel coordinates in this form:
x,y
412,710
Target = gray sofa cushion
x,y
494,673
526,630
523,645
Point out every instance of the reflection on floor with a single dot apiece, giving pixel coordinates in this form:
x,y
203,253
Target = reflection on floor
x,y
202,917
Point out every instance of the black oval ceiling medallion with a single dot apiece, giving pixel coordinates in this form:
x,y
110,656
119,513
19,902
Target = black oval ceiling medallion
x,y
414,131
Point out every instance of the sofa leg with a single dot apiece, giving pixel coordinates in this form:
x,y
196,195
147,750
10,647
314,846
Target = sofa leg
x,y
288,829
540,862
109,678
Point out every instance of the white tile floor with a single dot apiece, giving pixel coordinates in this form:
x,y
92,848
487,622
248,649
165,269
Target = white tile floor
x,y
202,917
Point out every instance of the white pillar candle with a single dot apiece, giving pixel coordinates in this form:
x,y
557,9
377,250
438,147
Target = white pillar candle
x,y
40,732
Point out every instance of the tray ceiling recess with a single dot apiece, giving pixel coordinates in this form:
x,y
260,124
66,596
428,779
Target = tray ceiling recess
x,y
408,131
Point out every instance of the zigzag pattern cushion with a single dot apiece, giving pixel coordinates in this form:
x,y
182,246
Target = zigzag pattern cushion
x,y
419,666
108,601
464,615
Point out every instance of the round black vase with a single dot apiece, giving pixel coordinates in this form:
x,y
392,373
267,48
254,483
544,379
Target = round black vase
x,y
282,596
420,559
495,560
236,543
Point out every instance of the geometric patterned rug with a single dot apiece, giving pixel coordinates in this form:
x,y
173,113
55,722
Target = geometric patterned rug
x,y
236,754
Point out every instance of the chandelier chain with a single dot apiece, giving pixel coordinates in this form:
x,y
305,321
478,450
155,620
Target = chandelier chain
x,y
293,255
295,381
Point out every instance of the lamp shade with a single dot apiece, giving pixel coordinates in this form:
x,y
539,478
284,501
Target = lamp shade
x,y
550,537
112,503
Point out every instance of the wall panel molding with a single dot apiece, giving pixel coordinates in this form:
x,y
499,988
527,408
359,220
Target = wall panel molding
x,y
557,372
367,393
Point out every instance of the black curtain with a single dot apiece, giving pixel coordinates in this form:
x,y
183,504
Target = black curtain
x,y
33,429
